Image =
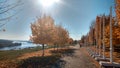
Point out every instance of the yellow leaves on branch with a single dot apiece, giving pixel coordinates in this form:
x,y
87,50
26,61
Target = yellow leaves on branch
x,y
44,31
118,10
41,30
95,32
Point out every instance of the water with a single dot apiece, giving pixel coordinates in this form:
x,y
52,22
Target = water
x,y
22,46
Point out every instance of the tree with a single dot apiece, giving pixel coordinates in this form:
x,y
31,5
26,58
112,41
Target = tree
x,y
70,40
82,39
42,31
117,10
91,33
7,8
61,36
45,32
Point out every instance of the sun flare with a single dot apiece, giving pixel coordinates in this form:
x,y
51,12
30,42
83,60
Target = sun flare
x,y
47,3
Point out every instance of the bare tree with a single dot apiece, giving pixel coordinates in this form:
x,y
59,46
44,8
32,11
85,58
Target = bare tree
x,y
6,10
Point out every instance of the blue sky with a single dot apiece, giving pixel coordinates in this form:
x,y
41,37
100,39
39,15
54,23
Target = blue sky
x,y
74,15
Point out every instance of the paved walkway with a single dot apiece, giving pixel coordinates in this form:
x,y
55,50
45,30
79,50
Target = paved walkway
x,y
79,59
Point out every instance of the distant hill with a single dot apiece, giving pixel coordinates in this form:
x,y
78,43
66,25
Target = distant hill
x,y
7,43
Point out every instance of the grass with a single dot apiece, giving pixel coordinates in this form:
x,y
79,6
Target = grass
x,y
13,54
9,59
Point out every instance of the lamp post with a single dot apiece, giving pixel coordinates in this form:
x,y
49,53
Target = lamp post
x,y
111,63
97,46
100,37
96,40
111,47
103,36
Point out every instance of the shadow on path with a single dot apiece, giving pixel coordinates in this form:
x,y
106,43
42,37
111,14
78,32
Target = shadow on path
x,y
39,62
53,61
79,59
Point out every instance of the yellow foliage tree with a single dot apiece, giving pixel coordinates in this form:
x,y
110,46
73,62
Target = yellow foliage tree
x,y
42,31
45,32
118,10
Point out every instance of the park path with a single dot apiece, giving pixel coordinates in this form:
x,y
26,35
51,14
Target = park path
x,y
79,59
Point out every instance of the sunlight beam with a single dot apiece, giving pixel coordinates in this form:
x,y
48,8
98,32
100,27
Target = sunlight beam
x,y
48,3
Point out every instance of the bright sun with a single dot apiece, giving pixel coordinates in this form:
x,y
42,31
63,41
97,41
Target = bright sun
x,y
47,3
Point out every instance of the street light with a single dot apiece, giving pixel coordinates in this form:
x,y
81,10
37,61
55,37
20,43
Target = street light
x,y
111,47
110,64
100,36
98,55
103,36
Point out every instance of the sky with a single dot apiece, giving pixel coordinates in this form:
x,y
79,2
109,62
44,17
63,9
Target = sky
x,y
74,15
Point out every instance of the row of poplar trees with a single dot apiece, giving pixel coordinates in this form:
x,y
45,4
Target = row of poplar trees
x,y
44,31
95,34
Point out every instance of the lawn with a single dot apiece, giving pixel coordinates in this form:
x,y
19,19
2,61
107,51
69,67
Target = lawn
x,y
13,54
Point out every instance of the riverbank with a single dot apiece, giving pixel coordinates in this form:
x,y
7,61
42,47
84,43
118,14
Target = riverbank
x,y
17,58
13,54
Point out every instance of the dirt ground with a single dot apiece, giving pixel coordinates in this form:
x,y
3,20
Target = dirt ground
x,y
80,59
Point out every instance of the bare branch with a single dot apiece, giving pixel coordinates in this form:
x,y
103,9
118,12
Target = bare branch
x,y
12,7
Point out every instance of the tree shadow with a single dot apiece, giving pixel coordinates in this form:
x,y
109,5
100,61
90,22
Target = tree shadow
x,y
53,61
42,62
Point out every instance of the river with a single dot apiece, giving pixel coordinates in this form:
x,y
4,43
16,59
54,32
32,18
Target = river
x,y
22,46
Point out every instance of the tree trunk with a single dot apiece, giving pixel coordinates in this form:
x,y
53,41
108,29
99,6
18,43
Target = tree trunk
x,y
54,47
57,47
43,49
68,46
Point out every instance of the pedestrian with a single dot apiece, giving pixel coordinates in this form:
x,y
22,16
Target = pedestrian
x,y
80,44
